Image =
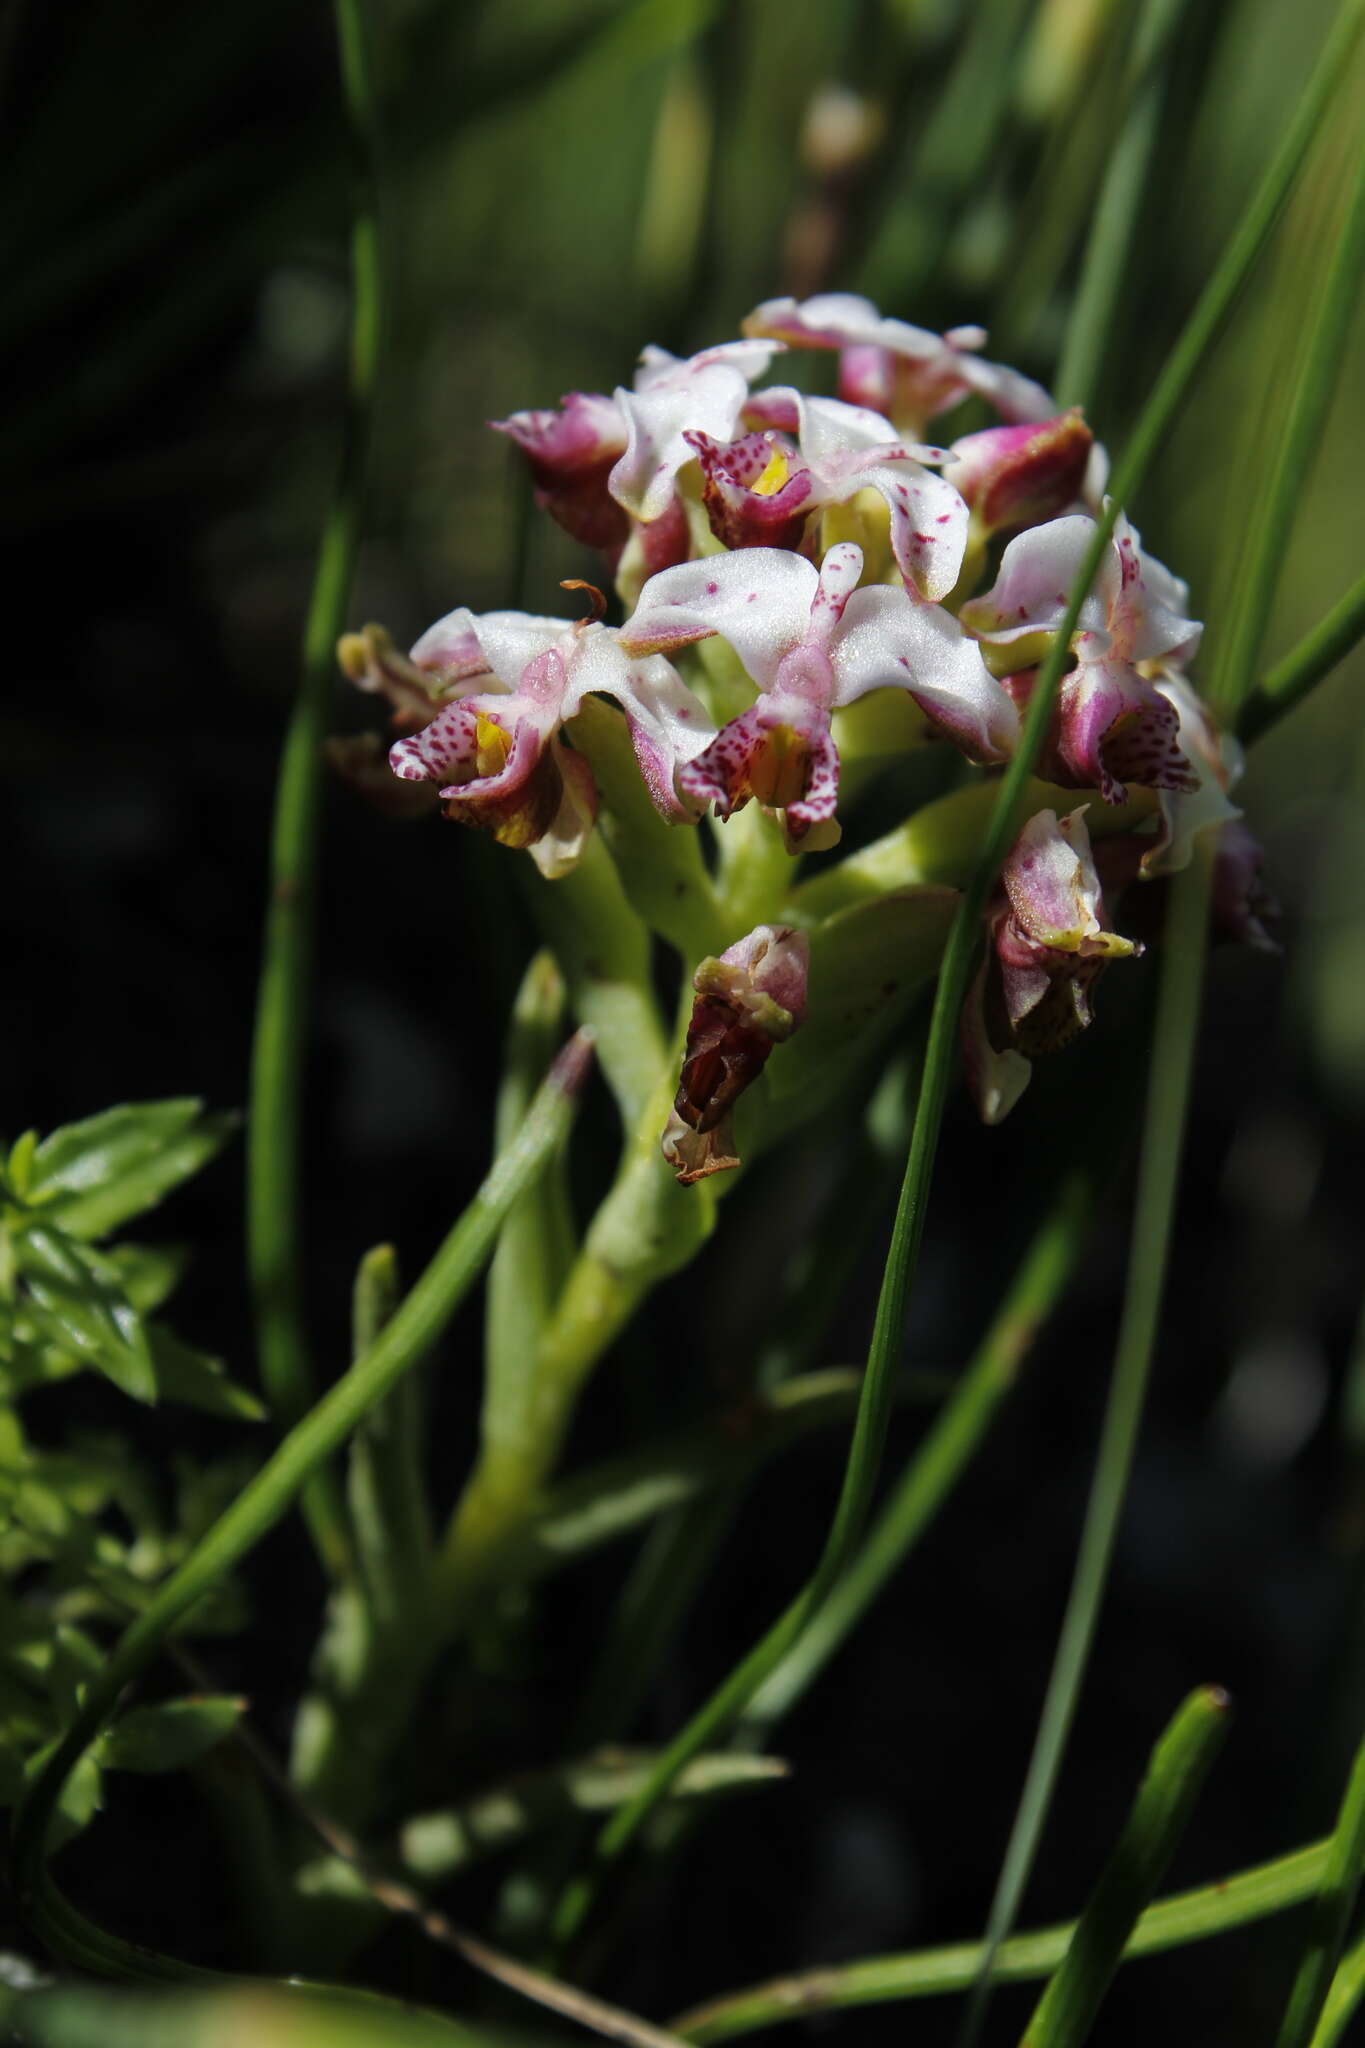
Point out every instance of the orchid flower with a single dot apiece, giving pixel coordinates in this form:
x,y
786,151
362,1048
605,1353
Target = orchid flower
x,y
1046,945
705,393
812,642
906,372
572,453
748,1001
496,748
1111,724
760,490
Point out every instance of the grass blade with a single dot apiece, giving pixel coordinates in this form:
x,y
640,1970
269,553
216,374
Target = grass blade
x,y
1168,1095
1331,1916
940,1460
1234,1901
1304,667
1180,1761
281,1038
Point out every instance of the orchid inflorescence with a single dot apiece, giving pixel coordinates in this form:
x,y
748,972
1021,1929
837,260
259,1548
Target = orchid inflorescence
x,y
780,557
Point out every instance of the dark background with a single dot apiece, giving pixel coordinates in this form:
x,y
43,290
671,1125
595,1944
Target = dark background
x,y
562,185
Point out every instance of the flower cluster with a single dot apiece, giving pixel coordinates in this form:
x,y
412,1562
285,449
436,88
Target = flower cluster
x,y
780,556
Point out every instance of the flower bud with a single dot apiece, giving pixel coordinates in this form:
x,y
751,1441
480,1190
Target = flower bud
x,y
748,1001
1021,475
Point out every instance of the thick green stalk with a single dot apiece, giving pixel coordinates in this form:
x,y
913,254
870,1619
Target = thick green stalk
x,y
1233,1901
735,1692
268,1496
1304,667
646,1228
1168,1097
280,1047
1331,1916
938,1464
1180,1762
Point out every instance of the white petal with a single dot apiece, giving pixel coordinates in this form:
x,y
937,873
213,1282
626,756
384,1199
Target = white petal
x,y
759,599
888,639
1033,588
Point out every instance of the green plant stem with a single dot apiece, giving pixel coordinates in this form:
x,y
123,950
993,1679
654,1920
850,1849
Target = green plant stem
x,y
1168,1096
1276,503
1105,262
941,1459
282,1009
1330,1919
1345,1994
1197,1915
1180,1762
268,1496
1301,670
735,1692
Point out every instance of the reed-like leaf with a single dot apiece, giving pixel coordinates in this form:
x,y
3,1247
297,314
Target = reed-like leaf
x,y
279,1053
1244,1896
1331,1915
1165,1800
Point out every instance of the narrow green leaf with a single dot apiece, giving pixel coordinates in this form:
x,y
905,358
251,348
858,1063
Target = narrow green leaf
x,y
267,1497
1175,1775
197,1380
170,1734
1331,1916
93,2016
956,1433
1304,667
98,1173
82,1795
1347,1990
433,1845
281,1039
149,1273
19,1165
74,1298
1234,1901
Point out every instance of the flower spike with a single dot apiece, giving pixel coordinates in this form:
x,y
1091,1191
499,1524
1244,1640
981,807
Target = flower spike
x,y
748,1001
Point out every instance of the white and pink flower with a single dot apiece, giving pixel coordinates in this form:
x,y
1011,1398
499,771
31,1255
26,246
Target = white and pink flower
x,y
812,642
1112,725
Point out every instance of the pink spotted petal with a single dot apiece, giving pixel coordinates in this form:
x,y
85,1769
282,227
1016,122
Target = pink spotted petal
x,y
759,599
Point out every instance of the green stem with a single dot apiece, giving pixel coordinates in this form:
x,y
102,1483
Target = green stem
x,y
1276,504
1348,1987
268,1496
1304,667
1107,249
735,1692
1168,1096
941,1459
646,1228
1233,1901
1180,1762
1331,1915
280,1047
